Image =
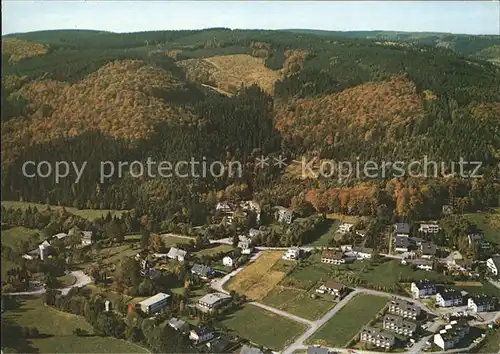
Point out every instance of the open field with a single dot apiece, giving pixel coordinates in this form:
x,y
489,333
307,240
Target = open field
x,y
385,275
489,223
12,236
228,73
326,233
85,213
172,240
263,327
57,330
298,302
342,327
492,343
485,288
258,279
214,250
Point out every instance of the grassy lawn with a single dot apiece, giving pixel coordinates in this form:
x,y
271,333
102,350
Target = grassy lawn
x,y
486,288
298,302
57,328
489,223
325,233
492,343
385,275
213,250
342,327
259,278
12,236
172,240
66,280
263,327
90,214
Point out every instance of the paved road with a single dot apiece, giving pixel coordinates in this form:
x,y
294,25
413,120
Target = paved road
x,y
299,342
218,284
284,314
81,280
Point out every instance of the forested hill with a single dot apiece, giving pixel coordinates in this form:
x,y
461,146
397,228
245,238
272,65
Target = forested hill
x,y
235,95
481,46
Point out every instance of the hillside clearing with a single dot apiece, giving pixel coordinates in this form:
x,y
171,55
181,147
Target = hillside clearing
x,y
90,214
258,279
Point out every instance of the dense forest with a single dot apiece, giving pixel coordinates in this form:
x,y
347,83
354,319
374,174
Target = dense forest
x,y
237,95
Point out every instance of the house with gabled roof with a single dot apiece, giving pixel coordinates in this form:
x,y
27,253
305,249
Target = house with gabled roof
x,y
203,271
177,254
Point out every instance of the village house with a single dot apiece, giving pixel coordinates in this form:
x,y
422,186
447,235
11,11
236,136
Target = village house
x,y
422,288
179,325
218,345
213,301
203,271
177,254
377,337
154,303
474,237
225,207
429,228
252,206
334,257
292,254
201,334
246,349
86,238
493,265
451,335
404,308
399,325
245,244
455,262
284,215
402,229
60,235
345,228
419,263
254,233
482,303
427,250
362,252
448,298
401,243
331,287
228,261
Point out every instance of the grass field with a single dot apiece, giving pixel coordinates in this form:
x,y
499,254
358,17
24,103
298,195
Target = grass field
x,y
258,279
57,330
85,213
342,327
384,275
326,234
172,240
297,302
214,250
491,344
489,223
66,280
485,288
263,327
11,237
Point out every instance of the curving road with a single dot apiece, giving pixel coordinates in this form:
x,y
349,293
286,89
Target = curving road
x,y
82,279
